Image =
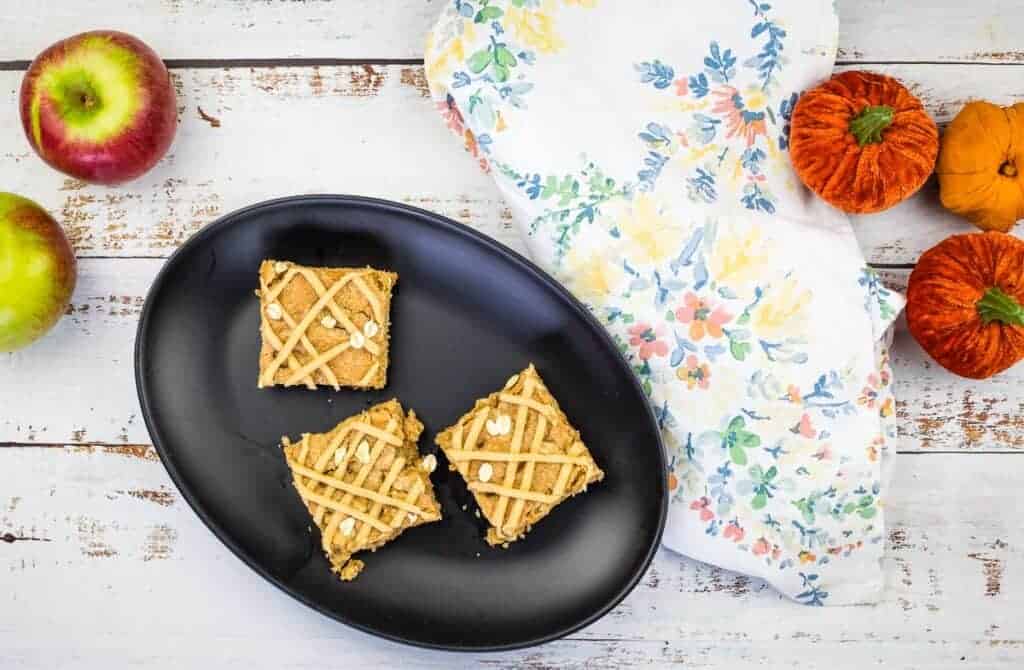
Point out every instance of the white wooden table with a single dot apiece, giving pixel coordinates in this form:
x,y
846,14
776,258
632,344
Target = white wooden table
x,y
103,565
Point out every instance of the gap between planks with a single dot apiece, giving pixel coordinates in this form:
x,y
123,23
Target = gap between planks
x,y
217,63
149,452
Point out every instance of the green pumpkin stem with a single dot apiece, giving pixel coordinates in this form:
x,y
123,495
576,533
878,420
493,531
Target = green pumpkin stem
x,y
869,125
996,305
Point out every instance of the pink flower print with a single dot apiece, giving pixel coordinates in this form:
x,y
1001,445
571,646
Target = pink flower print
x,y
733,532
824,454
704,317
695,374
682,87
776,552
868,397
452,115
739,121
647,339
804,428
701,504
761,547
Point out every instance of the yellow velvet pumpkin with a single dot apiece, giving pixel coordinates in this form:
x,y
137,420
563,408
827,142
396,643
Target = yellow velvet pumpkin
x,y
981,165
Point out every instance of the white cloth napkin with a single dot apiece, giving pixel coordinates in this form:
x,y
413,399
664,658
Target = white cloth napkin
x,y
642,147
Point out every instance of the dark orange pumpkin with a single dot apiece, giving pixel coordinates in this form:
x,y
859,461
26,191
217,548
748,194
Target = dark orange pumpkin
x,y
862,142
964,303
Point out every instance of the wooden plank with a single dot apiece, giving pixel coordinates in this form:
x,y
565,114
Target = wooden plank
x,y
369,130
93,344
230,29
50,390
126,545
872,30
930,30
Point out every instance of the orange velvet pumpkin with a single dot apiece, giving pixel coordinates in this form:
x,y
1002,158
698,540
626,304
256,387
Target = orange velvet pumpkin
x,y
862,142
964,303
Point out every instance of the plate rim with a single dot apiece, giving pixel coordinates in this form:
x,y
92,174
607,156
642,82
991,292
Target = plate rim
x,y
493,246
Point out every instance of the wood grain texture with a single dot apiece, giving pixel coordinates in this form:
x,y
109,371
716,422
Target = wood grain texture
x,y
369,129
275,132
124,542
103,565
94,344
872,30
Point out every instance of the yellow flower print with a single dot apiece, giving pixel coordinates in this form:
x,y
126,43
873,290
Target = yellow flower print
x,y
754,99
654,237
592,276
739,256
782,309
535,27
440,62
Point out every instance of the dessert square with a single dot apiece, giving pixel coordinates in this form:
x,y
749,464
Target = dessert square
x,y
364,482
324,326
519,455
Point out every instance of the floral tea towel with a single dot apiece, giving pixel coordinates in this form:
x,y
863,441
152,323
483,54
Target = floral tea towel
x,y
642,147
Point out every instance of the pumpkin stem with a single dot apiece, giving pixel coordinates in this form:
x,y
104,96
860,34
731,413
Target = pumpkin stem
x,y
1008,169
996,305
868,126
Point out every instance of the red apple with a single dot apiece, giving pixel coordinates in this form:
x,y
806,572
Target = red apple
x,y
37,272
99,106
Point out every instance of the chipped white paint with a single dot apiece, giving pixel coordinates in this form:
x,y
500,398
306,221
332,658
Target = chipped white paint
x,y
872,30
371,131
112,536
95,542
95,341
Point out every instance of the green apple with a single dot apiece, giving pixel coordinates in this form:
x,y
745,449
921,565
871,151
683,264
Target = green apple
x,y
37,272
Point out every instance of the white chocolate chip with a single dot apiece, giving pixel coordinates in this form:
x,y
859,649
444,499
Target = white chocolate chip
x,y
485,472
370,328
356,340
511,381
363,452
413,518
429,463
339,455
500,426
280,267
348,526
328,321
274,311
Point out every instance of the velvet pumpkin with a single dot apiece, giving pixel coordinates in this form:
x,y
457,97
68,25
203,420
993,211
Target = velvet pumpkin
x,y
964,303
862,142
981,165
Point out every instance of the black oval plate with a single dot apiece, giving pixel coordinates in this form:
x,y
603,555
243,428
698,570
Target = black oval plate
x,y
467,313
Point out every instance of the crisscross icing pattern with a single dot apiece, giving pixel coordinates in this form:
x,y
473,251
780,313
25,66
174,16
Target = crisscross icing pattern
x,y
330,497
506,515
298,339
